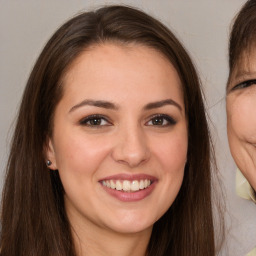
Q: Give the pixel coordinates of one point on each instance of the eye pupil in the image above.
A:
(157, 121)
(95, 121)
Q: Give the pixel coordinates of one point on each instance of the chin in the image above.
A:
(131, 225)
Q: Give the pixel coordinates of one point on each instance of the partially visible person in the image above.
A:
(241, 100)
(111, 152)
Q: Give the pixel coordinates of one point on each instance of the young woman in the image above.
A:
(111, 152)
(241, 100)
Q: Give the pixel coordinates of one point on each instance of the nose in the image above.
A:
(131, 147)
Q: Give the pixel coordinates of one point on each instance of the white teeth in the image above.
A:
(127, 185)
(119, 185)
(135, 185)
(112, 184)
(108, 183)
(142, 184)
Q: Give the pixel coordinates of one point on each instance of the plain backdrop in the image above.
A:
(202, 25)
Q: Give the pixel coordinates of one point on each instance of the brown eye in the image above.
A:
(95, 120)
(158, 121)
(161, 120)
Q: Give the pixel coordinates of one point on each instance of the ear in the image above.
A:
(50, 154)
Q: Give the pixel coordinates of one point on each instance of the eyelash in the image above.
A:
(85, 121)
(244, 84)
(162, 118)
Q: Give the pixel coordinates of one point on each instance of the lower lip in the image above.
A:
(130, 196)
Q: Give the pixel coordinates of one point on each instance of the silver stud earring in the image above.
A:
(48, 162)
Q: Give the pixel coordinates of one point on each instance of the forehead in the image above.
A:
(136, 60)
(122, 75)
(98, 50)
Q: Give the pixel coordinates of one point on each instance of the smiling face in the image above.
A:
(241, 117)
(119, 138)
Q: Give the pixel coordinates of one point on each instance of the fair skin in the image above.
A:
(241, 118)
(120, 145)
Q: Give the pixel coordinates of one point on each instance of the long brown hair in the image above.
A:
(34, 221)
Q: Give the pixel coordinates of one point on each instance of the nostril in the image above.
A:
(131, 157)
(131, 147)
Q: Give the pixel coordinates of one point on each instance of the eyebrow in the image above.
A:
(159, 104)
(110, 105)
(95, 103)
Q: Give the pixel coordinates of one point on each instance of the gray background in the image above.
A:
(202, 25)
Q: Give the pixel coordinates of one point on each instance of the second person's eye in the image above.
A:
(244, 84)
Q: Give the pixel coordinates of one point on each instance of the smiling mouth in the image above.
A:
(127, 185)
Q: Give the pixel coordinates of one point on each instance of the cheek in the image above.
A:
(241, 119)
(172, 152)
(172, 156)
(79, 154)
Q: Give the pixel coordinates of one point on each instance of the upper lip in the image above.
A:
(130, 177)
